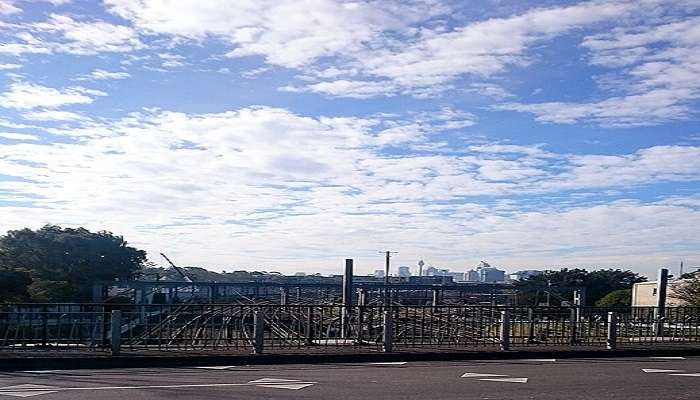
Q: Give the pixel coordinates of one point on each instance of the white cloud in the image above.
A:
(23, 95)
(434, 58)
(344, 88)
(235, 181)
(17, 136)
(288, 33)
(52, 115)
(659, 79)
(64, 34)
(8, 7)
(171, 60)
(100, 74)
(17, 49)
(4, 67)
(87, 38)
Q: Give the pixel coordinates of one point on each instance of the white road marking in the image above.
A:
(540, 359)
(35, 390)
(695, 374)
(292, 386)
(272, 380)
(513, 380)
(26, 390)
(27, 394)
(668, 358)
(46, 371)
(218, 367)
(390, 363)
(477, 375)
(652, 370)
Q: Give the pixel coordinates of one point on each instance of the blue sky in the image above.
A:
(289, 135)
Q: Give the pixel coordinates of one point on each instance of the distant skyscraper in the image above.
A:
(489, 274)
(379, 273)
(404, 272)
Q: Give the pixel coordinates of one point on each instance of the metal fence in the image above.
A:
(307, 328)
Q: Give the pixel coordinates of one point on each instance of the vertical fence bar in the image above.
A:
(116, 331)
(573, 316)
(388, 337)
(611, 342)
(505, 330)
(44, 327)
(530, 325)
(360, 324)
(310, 326)
(258, 332)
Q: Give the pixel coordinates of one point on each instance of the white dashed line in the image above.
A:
(513, 380)
(653, 371)
(668, 358)
(478, 375)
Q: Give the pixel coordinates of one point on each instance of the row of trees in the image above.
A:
(56, 264)
(605, 287)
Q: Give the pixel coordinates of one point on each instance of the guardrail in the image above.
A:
(118, 328)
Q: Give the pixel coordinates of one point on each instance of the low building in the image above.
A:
(524, 274)
(644, 294)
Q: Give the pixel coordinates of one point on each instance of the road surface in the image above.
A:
(610, 378)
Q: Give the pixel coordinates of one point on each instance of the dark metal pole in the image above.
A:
(387, 300)
(660, 311)
(347, 298)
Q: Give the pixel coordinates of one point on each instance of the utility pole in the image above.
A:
(387, 268)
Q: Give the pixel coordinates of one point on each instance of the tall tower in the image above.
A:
(420, 267)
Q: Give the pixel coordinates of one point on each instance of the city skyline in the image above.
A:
(294, 134)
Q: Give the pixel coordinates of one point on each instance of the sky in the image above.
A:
(289, 135)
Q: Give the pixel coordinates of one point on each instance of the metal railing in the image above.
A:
(304, 328)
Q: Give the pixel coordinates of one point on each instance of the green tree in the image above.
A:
(53, 291)
(616, 298)
(75, 258)
(14, 285)
(561, 284)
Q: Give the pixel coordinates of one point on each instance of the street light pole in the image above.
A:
(387, 268)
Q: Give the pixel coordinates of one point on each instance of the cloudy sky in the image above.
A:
(290, 134)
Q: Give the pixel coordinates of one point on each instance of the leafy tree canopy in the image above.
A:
(562, 284)
(616, 298)
(14, 285)
(66, 260)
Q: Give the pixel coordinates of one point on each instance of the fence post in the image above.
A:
(360, 323)
(611, 342)
(505, 330)
(44, 327)
(116, 331)
(310, 326)
(660, 310)
(388, 331)
(531, 325)
(573, 316)
(258, 332)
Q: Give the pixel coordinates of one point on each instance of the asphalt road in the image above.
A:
(621, 378)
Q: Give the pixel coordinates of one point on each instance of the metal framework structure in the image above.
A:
(315, 327)
(142, 292)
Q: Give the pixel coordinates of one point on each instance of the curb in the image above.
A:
(68, 363)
